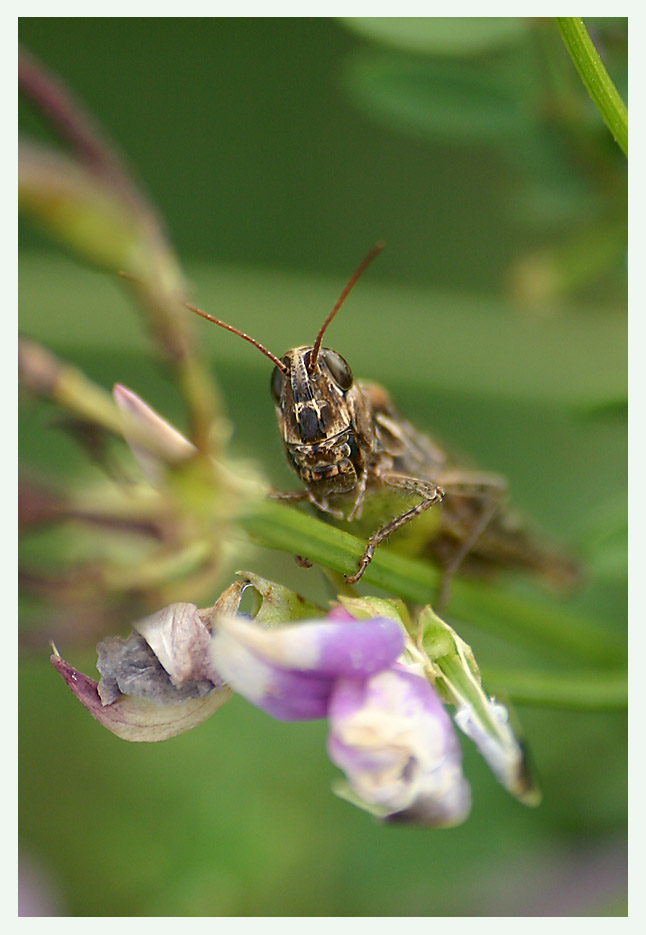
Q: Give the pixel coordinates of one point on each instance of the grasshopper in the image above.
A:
(360, 463)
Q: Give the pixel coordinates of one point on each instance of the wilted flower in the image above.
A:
(155, 684)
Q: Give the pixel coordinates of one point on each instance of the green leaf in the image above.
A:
(442, 35)
(442, 100)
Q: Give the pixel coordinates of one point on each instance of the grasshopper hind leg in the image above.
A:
(490, 491)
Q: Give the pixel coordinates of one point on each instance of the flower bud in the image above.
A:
(478, 715)
(154, 442)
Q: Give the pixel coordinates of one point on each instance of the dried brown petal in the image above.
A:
(181, 643)
(130, 667)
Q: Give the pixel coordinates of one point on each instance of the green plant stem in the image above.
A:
(127, 230)
(594, 76)
(592, 690)
(544, 627)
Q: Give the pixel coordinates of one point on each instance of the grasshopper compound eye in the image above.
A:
(337, 368)
(276, 384)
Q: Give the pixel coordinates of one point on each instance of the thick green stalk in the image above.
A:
(594, 76)
(547, 627)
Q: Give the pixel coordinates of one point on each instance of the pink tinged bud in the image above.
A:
(154, 442)
(395, 743)
(289, 671)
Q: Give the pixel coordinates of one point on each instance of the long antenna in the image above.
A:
(216, 321)
(367, 260)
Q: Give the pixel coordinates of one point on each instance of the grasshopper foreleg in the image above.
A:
(297, 496)
(429, 493)
(355, 512)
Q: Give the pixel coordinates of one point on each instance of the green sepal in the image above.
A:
(481, 717)
(366, 608)
(278, 604)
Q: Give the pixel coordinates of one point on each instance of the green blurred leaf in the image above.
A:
(495, 103)
(605, 540)
(443, 100)
(442, 35)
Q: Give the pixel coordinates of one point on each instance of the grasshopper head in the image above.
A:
(316, 398)
(312, 402)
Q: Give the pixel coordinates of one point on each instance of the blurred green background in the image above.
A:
(279, 151)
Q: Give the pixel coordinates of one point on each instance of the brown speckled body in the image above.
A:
(350, 447)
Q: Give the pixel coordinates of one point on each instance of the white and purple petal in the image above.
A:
(290, 671)
(394, 741)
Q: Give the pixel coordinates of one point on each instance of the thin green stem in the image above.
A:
(594, 76)
(161, 289)
(591, 690)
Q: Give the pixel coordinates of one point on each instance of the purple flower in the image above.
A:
(389, 732)
(395, 743)
(290, 671)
